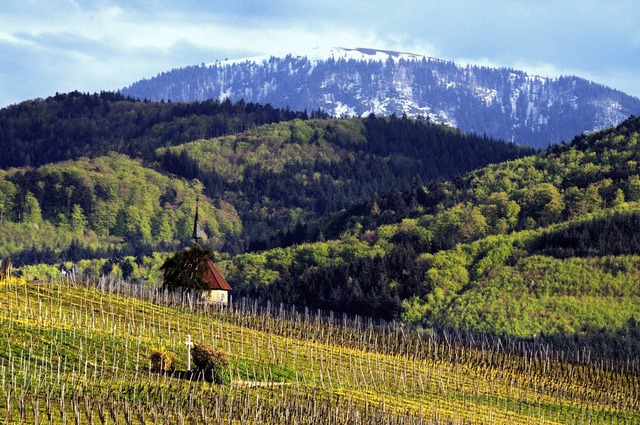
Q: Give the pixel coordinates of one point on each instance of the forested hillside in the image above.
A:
(542, 245)
(103, 207)
(384, 216)
(279, 176)
(254, 183)
(71, 125)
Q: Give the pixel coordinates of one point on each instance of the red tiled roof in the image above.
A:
(211, 275)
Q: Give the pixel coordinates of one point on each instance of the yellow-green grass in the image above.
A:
(79, 355)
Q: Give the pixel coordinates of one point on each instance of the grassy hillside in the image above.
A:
(75, 354)
(356, 215)
(541, 246)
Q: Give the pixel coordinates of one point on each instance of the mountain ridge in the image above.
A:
(501, 102)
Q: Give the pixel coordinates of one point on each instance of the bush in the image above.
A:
(161, 360)
(213, 364)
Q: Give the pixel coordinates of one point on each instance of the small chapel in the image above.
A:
(193, 269)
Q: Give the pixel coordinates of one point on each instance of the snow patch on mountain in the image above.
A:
(324, 53)
(502, 103)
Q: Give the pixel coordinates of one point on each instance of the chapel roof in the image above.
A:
(210, 274)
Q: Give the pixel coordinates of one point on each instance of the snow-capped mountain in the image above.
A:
(501, 103)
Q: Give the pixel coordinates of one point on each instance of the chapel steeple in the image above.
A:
(196, 226)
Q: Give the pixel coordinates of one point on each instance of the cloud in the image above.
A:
(61, 45)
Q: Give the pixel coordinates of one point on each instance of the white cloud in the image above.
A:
(92, 45)
(12, 39)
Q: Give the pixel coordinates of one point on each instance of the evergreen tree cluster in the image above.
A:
(71, 125)
(108, 206)
(259, 181)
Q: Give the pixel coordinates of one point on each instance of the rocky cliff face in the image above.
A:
(501, 103)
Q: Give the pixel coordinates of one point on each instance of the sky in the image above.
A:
(49, 46)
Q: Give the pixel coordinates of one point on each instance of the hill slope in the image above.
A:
(281, 175)
(108, 206)
(74, 354)
(71, 125)
(541, 245)
(503, 103)
(517, 248)
(260, 181)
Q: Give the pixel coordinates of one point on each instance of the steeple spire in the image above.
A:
(196, 225)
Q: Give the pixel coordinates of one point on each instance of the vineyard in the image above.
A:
(78, 353)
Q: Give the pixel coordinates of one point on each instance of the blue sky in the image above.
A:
(49, 46)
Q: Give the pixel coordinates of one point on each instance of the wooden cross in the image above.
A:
(189, 344)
